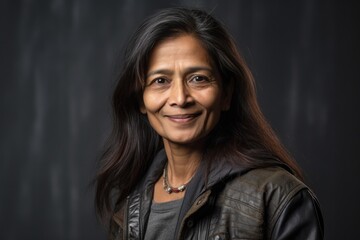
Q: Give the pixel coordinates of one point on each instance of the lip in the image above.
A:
(182, 118)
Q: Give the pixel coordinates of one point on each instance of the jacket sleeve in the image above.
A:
(300, 219)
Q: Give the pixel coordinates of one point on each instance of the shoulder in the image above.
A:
(269, 181)
(264, 190)
(266, 179)
(261, 203)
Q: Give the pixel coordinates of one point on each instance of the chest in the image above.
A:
(224, 217)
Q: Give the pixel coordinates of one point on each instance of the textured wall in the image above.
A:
(57, 65)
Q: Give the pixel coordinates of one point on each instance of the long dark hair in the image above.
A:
(242, 135)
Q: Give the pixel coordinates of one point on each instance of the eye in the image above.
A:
(158, 83)
(159, 80)
(199, 79)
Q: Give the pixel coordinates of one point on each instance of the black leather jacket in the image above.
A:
(236, 203)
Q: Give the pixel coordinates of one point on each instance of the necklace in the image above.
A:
(168, 188)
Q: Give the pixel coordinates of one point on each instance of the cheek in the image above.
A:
(211, 101)
(151, 102)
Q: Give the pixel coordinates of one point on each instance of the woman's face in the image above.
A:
(183, 96)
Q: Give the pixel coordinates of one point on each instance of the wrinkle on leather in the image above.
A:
(133, 217)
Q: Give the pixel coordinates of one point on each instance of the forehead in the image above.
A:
(182, 49)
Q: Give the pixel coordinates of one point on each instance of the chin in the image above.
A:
(184, 140)
(181, 141)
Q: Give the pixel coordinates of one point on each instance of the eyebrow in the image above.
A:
(187, 70)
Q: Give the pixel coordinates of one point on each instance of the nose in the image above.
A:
(179, 95)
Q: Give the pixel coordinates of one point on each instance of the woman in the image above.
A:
(191, 155)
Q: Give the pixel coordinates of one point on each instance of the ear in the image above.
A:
(228, 92)
(143, 109)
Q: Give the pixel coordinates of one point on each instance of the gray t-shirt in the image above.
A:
(162, 220)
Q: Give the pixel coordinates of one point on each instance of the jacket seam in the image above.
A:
(283, 205)
(246, 204)
(316, 204)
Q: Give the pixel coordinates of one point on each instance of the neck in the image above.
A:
(183, 162)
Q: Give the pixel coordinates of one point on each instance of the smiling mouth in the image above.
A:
(182, 118)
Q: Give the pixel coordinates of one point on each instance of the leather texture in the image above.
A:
(266, 203)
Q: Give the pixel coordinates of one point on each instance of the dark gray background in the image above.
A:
(58, 64)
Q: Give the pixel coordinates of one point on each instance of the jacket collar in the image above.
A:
(218, 172)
